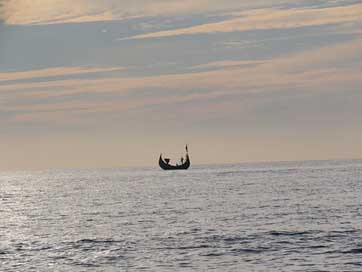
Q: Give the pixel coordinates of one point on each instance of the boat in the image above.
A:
(164, 163)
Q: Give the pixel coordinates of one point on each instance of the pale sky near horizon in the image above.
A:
(87, 83)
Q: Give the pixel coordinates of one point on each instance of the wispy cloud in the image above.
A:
(55, 71)
(228, 64)
(327, 57)
(317, 69)
(270, 19)
(24, 12)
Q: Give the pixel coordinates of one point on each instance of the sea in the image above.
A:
(280, 216)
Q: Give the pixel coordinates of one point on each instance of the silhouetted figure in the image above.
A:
(182, 160)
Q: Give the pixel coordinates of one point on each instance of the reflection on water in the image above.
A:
(250, 217)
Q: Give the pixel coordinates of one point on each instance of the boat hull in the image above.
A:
(166, 166)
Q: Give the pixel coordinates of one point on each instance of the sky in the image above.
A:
(99, 84)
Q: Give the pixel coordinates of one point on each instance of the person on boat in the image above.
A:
(182, 160)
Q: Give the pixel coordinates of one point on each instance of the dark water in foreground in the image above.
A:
(251, 217)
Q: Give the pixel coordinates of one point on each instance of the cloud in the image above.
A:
(328, 58)
(228, 64)
(327, 68)
(53, 72)
(24, 12)
(270, 19)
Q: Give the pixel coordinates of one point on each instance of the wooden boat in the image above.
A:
(165, 165)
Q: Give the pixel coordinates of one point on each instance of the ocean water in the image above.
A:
(294, 216)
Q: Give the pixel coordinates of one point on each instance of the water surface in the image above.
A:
(295, 216)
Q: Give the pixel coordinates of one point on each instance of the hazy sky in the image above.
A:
(112, 83)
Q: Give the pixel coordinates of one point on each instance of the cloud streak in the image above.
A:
(270, 19)
(53, 72)
(24, 12)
